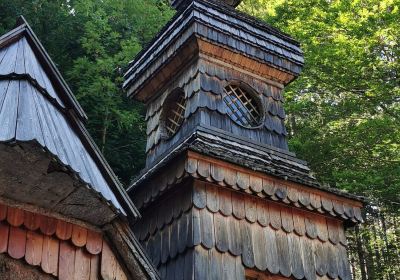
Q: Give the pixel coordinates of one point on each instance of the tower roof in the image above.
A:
(37, 106)
(210, 24)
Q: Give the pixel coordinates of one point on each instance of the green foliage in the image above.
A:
(344, 110)
(114, 32)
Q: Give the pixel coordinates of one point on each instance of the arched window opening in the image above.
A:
(174, 112)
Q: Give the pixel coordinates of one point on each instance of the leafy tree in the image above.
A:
(113, 33)
(344, 110)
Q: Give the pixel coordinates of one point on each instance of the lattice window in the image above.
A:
(243, 107)
(175, 113)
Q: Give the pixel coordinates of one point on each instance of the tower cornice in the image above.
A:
(218, 30)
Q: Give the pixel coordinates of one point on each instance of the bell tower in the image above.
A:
(221, 196)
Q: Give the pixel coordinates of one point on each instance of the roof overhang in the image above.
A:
(217, 31)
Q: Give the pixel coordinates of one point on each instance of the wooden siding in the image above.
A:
(65, 250)
(231, 229)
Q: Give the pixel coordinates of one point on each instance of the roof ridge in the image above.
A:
(23, 29)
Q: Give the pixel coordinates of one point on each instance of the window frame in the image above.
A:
(253, 94)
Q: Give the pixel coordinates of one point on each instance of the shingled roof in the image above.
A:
(37, 106)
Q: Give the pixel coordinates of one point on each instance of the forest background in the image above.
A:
(343, 111)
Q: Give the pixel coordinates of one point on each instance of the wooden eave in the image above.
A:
(252, 43)
(187, 161)
(328, 202)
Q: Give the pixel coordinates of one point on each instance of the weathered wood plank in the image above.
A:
(33, 250)
(50, 251)
(272, 250)
(225, 201)
(315, 200)
(201, 264)
(207, 229)
(188, 272)
(238, 207)
(283, 253)
(165, 244)
(3, 212)
(298, 222)
(31, 221)
(287, 219)
(333, 230)
(332, 261)
(311, 228)
(203, 168)
(157, 249)
(67, 261)
(94, 242)
(199, 195)
(195, 228)
(260, 248)
(295, 256)
(322, 230)
(308, 259)
(235, 238)
(321, 257)
(269, 187)
(217, 172)
(326, 204)
(263, 213)
(221, 233)
(230, 177)
(256, 184)
(16, 242)
(108, 266)
(183, 224)
(4, 232)
(48, 225)
(79, 235)
(250, 205)
(212, 198)
(173, 245)
(228, 267)
(275, 216)
(216, 264)
(247, 244)
(15, 216)
(95, 267)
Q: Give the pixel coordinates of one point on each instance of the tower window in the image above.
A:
(174, 112)
(243, 107)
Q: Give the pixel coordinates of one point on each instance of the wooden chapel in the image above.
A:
(63, 213)
(221, 196)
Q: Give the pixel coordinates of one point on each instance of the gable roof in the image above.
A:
(37, 105)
